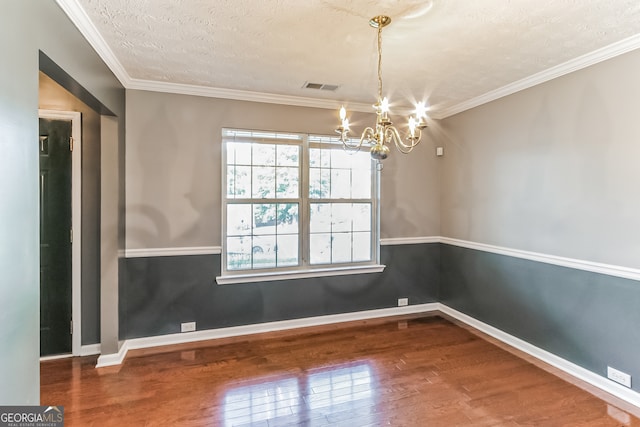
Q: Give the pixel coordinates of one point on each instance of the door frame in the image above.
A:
(76, 221)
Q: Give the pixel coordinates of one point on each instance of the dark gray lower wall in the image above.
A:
(160, 293)
(590, 319)
(586, 318)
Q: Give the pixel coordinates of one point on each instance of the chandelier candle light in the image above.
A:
(384, 132)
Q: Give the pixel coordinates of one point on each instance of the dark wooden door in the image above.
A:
(55, 237)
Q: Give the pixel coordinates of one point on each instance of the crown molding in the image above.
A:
(586, 60)
(83, 23)
(244, 95)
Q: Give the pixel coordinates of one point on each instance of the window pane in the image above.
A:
(287, 250)
(238, 153)
(264, 218)
(264, 251)
(238, 181)
(288, 155)
(264, 182)
(319, 182)
(238, 253)
(243, 154)
(361, 247)
(320, 220)
(361, 184)
(243, 181)
(231, 182)
(287, 218)
(361, 217)
(239, 220)
(341, 247)
(341, 159)
(341, 217)
(340, 183)
(287, 184)
(315, 189)
(320, 248)
(314, 157)
(325, 158)
(264, 154)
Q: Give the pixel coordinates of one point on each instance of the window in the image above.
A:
(296, 203)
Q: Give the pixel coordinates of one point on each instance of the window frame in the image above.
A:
(304, 269)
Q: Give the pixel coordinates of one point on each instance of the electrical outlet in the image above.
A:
(403, 302)
(619, 376)
(188, 327)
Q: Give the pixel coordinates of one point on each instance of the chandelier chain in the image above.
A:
(379, 63)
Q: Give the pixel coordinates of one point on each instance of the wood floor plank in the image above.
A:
(409, 371)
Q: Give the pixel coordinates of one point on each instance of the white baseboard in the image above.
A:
(235, 331)
(114, 358)
(90, 349)
(55, 357)
(85, 350)
(626, 394)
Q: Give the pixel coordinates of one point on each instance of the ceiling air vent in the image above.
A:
(320, 86)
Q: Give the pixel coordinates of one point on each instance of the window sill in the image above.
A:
(298, 274)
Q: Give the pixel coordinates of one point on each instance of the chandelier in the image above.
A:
(384, 133)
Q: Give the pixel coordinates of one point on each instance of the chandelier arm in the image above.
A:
(391, 134)
(368, 134)
(400, 145)
(406, 149)
(349, 146)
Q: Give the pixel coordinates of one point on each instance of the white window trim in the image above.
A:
(302, 272)
(299, 274)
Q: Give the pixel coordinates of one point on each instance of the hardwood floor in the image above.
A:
(424, 371)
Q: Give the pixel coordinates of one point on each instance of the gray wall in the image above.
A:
(54, 97)
(173, 178)
(27, 26)
(587, 318)
(163, 292)
(552, 169)
(173, 168)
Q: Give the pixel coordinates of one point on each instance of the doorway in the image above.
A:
(60, 239)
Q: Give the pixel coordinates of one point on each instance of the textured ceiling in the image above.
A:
(444, 51)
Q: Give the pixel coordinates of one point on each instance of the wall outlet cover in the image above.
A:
(188, 327)
(619, 376)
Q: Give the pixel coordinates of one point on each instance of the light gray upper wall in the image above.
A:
(173, 168)
(27, 26)
(552, 169)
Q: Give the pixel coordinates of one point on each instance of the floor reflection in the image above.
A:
(318, 395)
